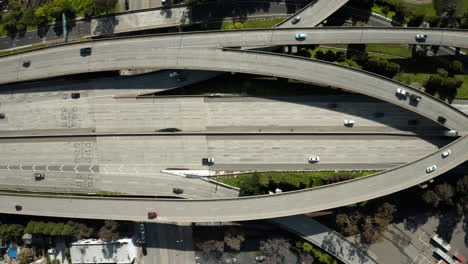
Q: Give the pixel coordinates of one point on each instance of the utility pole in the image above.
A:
(64, 26)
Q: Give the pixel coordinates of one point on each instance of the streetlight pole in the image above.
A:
(64, 26)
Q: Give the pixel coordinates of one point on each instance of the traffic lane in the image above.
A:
(247, 208)
(315, 13)
(158, 184)
(54, 181)
(69, 56)
(318, 72)
(273, 65)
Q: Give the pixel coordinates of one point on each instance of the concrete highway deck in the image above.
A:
(46, 113)
(68, 58)
(258, 207)
(314, 13)
(107, 58)
(259, 63)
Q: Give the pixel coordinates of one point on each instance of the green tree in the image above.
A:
(11, 19)
(11, 231)
(41, 16)
(319, 55)
(39, 228)
(68, 229)
(443, 84)
(329, 56)
(30, 227)
(16, 230)
(434, 21)
(303, 53)
(251, 185)
(28, 18)
(25, 256)
(441, 194)
(351, 64)
(402, 12)
(456, 67)
(357, 52)
(235, 25)
(382, 66)
(105, 5)
(416, 20)
(48, 228)
(340, 56)
(57, 230)
(385, 9)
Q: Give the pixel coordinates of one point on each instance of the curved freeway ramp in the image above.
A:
(291, 203)
(257, 63)
(67, 58)
(244, 208)
(314, 13)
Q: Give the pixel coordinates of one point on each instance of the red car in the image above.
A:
(332, 105)
(152, 215)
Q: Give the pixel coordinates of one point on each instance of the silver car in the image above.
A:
(431, 168)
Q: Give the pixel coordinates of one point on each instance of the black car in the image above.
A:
(75, 95)
(169, 129)
(178, 190)
(127, 5)
(18, 207)
(38, 176)
(85, 52)
(2, 116)
(26, 63)
(415, 98)
(441, 119)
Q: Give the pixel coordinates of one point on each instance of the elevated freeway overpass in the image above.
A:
(66, 59)
(107, 58)
(110, 56)
(244, 208)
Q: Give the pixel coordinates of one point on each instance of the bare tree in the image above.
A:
(108, 232)
(234, 238)
(275, 250)
(211, 246)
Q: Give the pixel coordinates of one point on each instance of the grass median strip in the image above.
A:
(263, 182)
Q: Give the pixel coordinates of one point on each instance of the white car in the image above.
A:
(431, 168)
(349, 122)
(314, 159)
(301, 36)
(446, 153)
(421, 37)
(402, 92)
